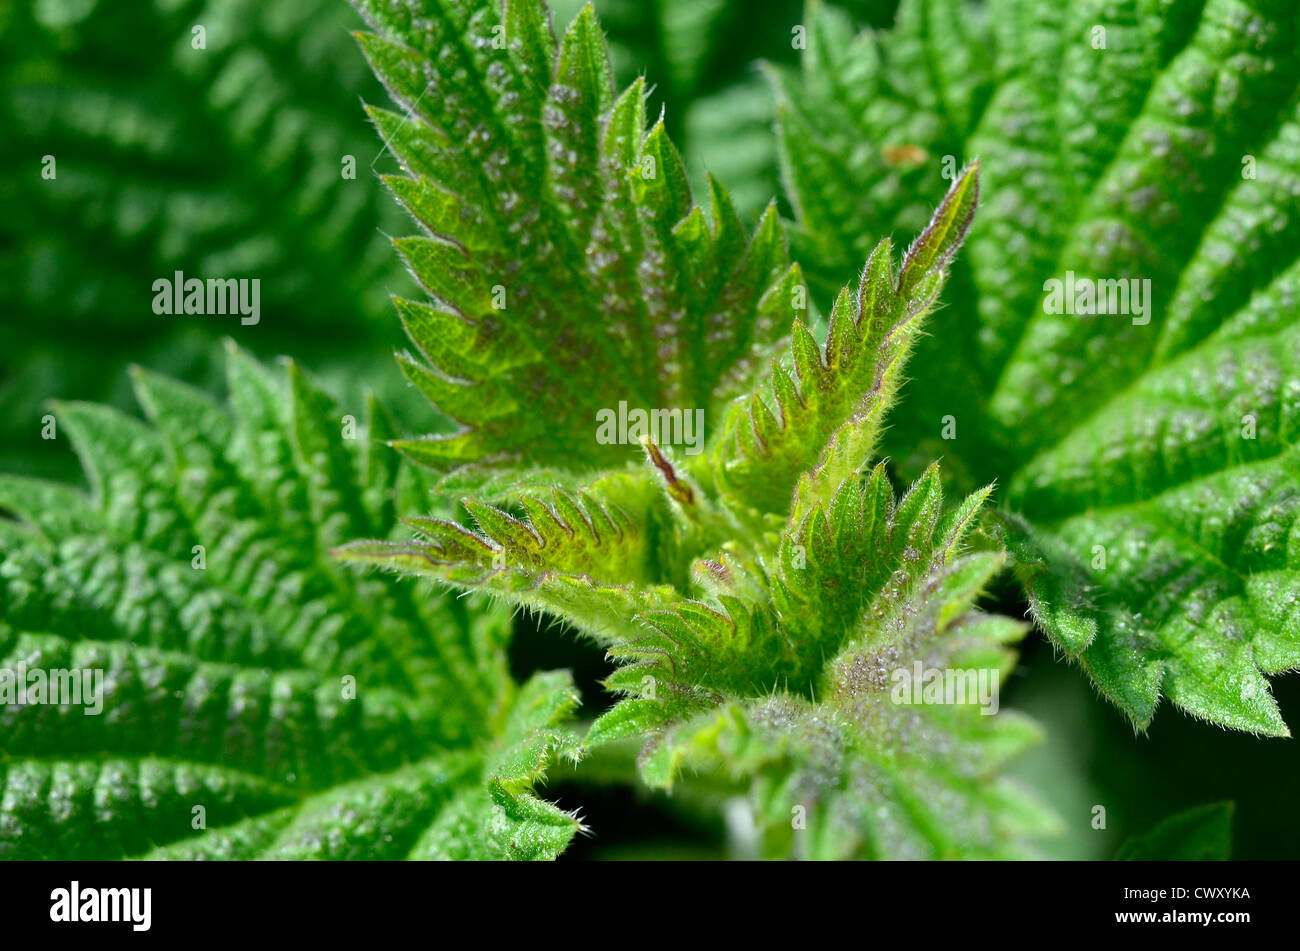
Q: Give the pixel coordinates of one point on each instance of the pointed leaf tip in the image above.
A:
(936, 245)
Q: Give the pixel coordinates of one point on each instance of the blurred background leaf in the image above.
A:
(223, 161)
(1203, 834)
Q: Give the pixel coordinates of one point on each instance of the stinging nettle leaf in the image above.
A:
(1146, 158)
(569, 271)
(245, 696)
(758, 596)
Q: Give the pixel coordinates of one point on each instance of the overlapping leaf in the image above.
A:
(602, 550)
(1148, 453)
(258, 699)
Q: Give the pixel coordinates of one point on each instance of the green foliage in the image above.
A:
(1148, 459)
(561, 239)
(702, 58)
(758, 593)
(1203, 834)
(763, 546)
(310, 712)
(225, 161)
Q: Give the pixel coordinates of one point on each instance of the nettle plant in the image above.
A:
(780, 597)
(758, 595)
